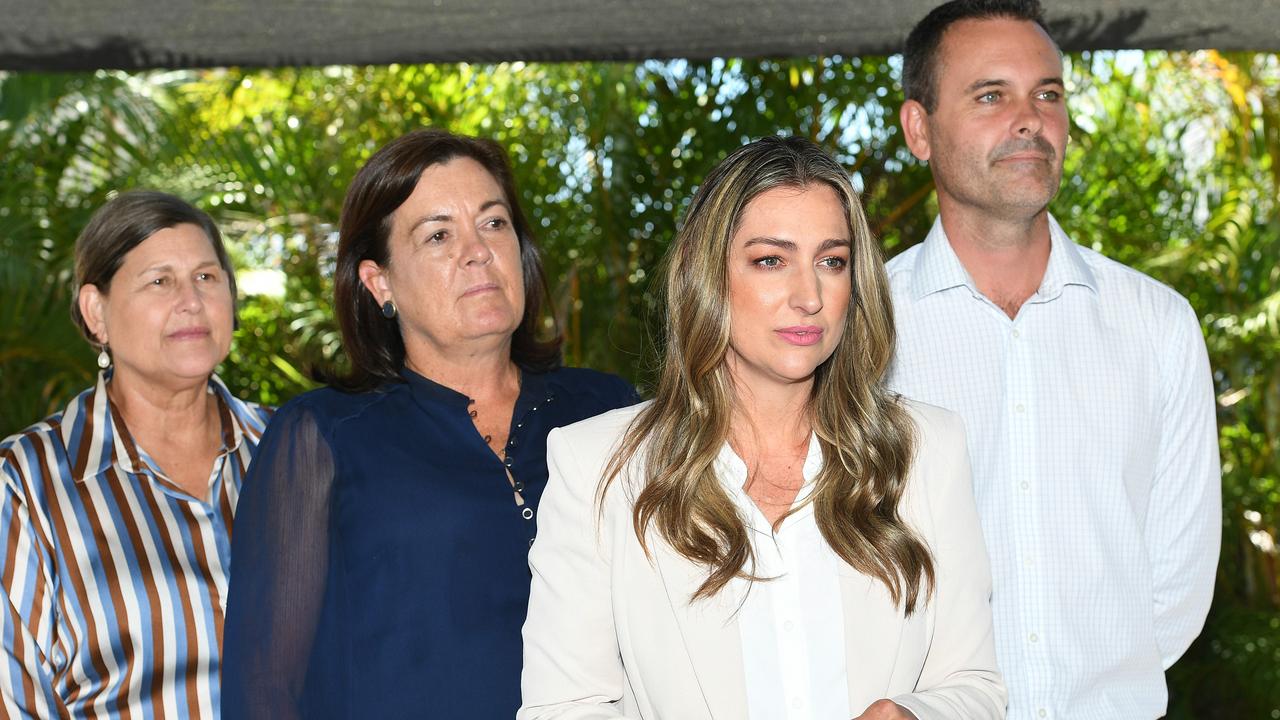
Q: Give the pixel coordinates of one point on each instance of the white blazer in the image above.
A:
(612, 633)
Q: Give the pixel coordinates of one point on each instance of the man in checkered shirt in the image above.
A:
(1084, 384)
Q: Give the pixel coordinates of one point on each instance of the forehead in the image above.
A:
(995, 49)
(180, 245)
(456, 180)
(814, 208)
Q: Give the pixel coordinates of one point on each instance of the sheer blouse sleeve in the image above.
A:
(279, 566)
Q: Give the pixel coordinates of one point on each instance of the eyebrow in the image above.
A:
(166, 267)
(446, 217)
(791, 246)
(992, 82)
(772, 242)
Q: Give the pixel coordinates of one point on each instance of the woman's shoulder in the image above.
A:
(590, 445)
(25, 456)
(327, 405)
(588, 385)
(933, 424)
(603, 429)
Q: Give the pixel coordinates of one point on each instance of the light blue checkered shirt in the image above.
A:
(1091, 428)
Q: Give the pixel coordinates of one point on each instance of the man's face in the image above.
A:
(996, 136)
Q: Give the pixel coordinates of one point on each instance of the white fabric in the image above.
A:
(792, 626)
(614, 631)
(1091, 429)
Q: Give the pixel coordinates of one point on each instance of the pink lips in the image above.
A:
(480, 289)
(191, 333)
(800, 334)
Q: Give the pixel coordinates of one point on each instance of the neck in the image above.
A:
(770, 420)
(480, 375)
(1005, 258)
(155, 412)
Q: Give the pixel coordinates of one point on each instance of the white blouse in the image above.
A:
(792, 626)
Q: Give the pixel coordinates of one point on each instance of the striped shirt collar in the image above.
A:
(102, 440)
(938, 268)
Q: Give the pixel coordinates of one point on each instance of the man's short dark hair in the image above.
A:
(920, 56)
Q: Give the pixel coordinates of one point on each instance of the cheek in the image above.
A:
(514, 271)
(744, 299)
(838, 291)
(222, 312)
(135, 321)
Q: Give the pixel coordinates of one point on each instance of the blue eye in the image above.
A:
(771, 261)
(835, 263)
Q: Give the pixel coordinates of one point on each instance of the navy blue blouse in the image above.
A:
(379, 563)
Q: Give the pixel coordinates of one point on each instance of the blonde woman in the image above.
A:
(775, 535)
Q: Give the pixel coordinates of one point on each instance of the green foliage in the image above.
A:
(1172, 168)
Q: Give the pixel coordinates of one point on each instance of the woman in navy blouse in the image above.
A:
(379, 558)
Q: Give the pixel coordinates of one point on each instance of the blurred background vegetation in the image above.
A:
(1173, 168)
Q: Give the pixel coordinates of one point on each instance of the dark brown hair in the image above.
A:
(372, 342)
(122, 224)
(920, 56)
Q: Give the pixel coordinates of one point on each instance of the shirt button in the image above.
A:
(1025, 485)
(797, 703)
(788, 626)
(518, 486)
(1043, 713)
(1019, 408)
(527, 513)
(1016, 334)
(1033, 637)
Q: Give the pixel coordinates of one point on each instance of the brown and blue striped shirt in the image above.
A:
(113, 582)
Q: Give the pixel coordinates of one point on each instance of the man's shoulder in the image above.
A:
(900, 269)
(1121, 284)
(903, 263)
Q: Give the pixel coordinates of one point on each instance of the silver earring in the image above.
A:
(104, 359)
(388, 309)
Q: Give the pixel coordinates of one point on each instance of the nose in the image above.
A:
(476, 250)
(189, 297)
(1027, 122)
(806, 292)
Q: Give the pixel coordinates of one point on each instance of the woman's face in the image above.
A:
(168, 314)
(454, 272)
(789, 285)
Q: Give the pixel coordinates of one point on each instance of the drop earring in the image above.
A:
(388, 309)
(104, 358)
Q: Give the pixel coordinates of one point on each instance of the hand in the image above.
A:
(886, 710)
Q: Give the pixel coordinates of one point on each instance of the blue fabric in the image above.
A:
(379, 563)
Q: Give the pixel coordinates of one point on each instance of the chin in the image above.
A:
(193, 368)
(792, 374)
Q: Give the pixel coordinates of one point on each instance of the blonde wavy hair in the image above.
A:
(866, 436)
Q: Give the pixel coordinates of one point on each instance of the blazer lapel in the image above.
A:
(710, 633)
(872, 629)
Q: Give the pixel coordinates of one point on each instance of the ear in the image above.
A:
(94, 311)
(374, 279)
(915, 128)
